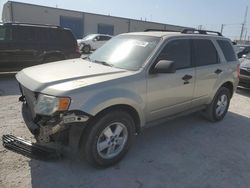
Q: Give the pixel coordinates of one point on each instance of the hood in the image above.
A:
(245, 63)
(66, 75)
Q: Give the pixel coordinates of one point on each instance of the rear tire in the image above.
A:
(86, 49)
(218, 108)
(108, 139)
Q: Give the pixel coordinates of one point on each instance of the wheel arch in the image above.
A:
(230, 86)
(125, 107)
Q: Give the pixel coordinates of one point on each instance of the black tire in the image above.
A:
(52, 59)
(210, 113)
(86, 49)
(91, 136)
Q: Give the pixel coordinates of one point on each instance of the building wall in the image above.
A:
(38, 14)
(138, 25)
(6, 13)
(91, 23)
(28, 13)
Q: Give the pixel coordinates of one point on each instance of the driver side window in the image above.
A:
(178, 51)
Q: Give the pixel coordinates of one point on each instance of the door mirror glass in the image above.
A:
(164, 66)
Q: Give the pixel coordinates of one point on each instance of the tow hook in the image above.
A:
(21, 99)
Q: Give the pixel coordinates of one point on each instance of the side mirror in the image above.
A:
(164, 66)
(244, 56)
(94, 40)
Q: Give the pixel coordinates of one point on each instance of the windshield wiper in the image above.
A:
(103, 63)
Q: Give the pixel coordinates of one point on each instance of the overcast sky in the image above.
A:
(208, 13)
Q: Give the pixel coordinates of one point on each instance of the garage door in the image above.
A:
(106, 29)
(75, 24)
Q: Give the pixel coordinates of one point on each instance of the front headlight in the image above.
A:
(47, 105)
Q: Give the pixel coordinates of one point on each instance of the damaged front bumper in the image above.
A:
(44, 127)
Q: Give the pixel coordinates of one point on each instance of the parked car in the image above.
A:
(241, 50)
(133, 81)
(23, 45)
(245, 71)
(92, 42)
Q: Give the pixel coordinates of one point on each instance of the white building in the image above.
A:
(81, 23)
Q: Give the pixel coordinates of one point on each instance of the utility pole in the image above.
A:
(243, 24)
(222, 27)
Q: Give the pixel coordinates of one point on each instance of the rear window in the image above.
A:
(67, 37)
(205, 52)
(227, 50)
(61, 37)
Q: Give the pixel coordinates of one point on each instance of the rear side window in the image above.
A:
(204, 52)
(2, 33)
(5, 33)
(227, 50)
(177, 51)
(104, 38)
(24, 34)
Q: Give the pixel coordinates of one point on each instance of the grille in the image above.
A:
(244, 72)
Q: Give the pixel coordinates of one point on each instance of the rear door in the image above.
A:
(169, 93)
(208, 69)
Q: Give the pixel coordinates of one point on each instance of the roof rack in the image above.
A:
(203, 32)
(163, 30)
(23, 23)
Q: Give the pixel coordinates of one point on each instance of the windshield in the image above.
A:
(89, 37)
(126, 51)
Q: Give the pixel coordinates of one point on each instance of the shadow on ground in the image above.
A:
(185, 152)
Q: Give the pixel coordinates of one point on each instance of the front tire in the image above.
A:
(218, 108)
(107, 140)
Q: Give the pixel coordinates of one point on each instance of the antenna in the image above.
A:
(243, 24)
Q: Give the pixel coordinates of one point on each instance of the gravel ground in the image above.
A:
(186, 152)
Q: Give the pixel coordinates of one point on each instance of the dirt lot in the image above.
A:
(186, 152)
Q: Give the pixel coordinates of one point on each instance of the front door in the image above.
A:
(171, 93)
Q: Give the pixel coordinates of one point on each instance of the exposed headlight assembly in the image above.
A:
(47, 105)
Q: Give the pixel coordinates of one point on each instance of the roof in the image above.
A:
(170, 34)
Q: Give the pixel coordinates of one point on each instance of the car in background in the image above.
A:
(92, 42)
(241, 50)
(245, 71)
(23, 45)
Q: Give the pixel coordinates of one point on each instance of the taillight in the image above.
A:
(238, 70)
(77, 49)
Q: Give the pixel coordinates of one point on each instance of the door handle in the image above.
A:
(187, 77)
(218, 71)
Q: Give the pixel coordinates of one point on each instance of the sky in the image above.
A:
(192, 13)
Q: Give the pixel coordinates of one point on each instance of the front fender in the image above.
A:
(105, 99)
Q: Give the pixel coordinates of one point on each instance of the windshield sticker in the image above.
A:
(140, 43)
